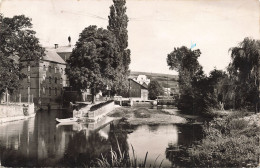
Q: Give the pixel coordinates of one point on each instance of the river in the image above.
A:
(41, 142)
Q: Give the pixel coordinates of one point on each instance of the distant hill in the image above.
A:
(166, 80)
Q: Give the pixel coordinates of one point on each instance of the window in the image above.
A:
(55, 70)
(43, 77)
(55, 80)
(55, 91)
(44, 67)
(28, 78)
(28, 68)
(49, 79)
(49, 90)
(61, 71)
(61, 81)
(43, 90)
(49, 68)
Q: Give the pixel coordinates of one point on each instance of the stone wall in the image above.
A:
(99, 113)
(13, 112)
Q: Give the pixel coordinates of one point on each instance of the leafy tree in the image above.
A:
(118, 26)
(198, 93)
(17, 40)
(9, 74)
(185, 61)
(244, 70)
(215, 83)
(94, 60)
(154, 90)
(207, 91)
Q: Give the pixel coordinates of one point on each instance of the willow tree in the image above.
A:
(117, 24)
(94, 60)
(244, 69)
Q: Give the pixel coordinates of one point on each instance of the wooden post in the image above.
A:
(28, 98)
(20, 98)
(7, 97)
(32, 98)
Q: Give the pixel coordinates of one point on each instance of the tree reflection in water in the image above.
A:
(177, 154)
(84, 149)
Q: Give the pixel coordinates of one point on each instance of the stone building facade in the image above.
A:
(45, 80)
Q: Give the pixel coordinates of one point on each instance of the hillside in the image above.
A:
(166, 80)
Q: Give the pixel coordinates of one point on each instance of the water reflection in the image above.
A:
(176, 153)
(40, 141)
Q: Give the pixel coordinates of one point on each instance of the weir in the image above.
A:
(87, 114)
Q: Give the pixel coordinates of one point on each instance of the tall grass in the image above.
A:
(122, 159)
(228, 142)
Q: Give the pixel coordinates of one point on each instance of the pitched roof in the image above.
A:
(142, 86)
(61, 49)
(51, 55)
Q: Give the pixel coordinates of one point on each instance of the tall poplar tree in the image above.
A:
(118, 21)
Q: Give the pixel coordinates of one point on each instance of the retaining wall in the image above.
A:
(99, 113)
(12, 112)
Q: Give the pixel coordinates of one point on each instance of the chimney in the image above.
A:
(69, 39)
(56, 46)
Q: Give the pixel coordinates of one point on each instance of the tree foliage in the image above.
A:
(17, 40)
(244, 73)
(154, 90)
(94, 60)
(198, 93)
(185, 62)
(118, 21)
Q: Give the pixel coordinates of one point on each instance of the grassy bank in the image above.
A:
(231, 141)
(140, 116)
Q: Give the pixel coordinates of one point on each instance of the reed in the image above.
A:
(122, 159)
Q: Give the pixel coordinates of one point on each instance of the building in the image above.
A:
(137, 91)
(167, 91)
(46, 78)
(142, 79)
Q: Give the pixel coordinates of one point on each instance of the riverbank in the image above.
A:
(230, 141)
(141, 116)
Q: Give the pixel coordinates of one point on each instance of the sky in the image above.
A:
(155, 27)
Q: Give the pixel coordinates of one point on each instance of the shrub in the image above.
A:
(225, 152)
(228, 142)
(142, 113)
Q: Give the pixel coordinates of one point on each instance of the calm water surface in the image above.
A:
(41, 142)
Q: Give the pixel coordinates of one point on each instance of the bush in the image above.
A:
(228, 142)
(142, 113)
(225, 152)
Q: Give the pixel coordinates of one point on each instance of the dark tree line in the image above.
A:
(197, 91)
(238, 88)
